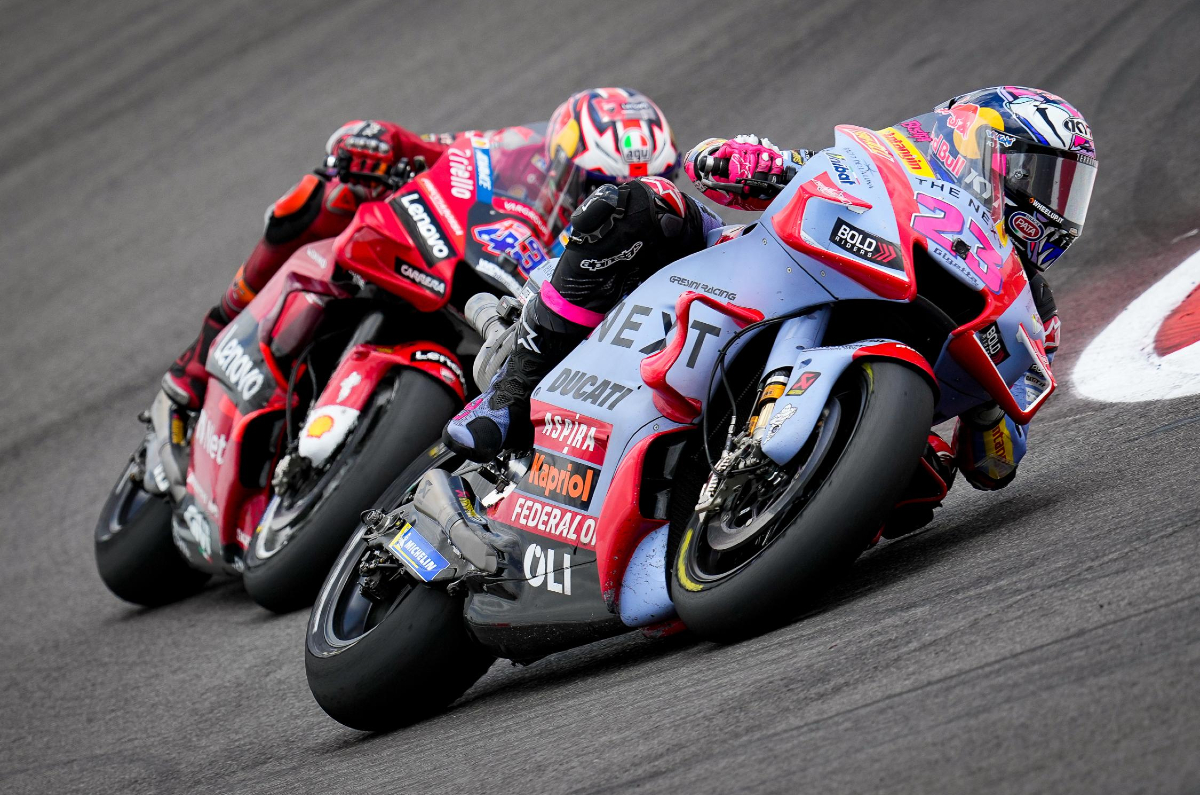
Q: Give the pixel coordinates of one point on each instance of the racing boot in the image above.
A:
(499, 418)
(186, 379)
(988, 445)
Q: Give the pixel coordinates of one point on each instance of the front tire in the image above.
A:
(135, 554)
(736, 587)
(376, 665)
(289, 557)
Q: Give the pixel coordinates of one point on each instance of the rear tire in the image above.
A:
(377, 666)
(409, 421)
(797, 562)
(135, 554)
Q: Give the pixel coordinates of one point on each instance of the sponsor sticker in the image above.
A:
(541, 569)
(806, 379)
(1025, 226)
(910, 156)
(546, 519)
(560, 479)
(871, 144)
(417, 554)
(569, 433)
(423, 227)
(993, 343)
(863, 244)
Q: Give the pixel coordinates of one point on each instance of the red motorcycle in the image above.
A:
(339, 373)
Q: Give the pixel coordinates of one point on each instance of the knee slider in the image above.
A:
(289, 217)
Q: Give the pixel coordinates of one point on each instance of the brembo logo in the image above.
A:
(429, 232)
(561, 480)
(239, 369)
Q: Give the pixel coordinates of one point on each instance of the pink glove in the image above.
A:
(751, 158)
(716, 166)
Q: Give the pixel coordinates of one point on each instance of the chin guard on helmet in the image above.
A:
(614, 135)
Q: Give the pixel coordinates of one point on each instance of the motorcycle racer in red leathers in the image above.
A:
(625, 232)
(611, 133)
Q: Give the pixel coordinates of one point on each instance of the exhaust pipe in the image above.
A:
(447, 501)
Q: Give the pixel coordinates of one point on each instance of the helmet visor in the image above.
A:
(1061, 181)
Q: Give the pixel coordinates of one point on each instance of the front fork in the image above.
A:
(742, 449)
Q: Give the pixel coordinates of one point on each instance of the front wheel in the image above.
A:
(135, 554)
(384, 653)
(302, 532)
(780, 538)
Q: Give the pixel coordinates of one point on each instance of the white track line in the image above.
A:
(1120, 365)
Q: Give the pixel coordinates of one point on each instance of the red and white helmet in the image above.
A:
(614, 134)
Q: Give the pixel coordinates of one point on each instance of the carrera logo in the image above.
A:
(239, 370)
(420, 223)
(546, 519)
(863, 244)
(561, 480)
(420, 278)
(570, 433)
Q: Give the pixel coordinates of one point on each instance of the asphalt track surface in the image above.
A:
(1045, 638)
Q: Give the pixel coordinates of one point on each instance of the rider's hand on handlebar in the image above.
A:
(751, 158)
(364, 160)
(744, 166)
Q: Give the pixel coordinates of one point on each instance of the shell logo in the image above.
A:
(320, 425)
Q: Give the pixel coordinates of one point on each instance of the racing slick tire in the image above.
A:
(135, 554)
(295, 545)
(380, 665)
(813, 530)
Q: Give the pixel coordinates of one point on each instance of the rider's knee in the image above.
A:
(988, 446)
(295, 211)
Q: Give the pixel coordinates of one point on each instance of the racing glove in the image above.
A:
(744, 173)
(360, 153)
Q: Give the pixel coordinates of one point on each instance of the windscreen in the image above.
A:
(521, 171)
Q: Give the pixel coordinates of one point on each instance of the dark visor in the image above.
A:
(1062, 181)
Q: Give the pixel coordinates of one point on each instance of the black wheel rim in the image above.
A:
(746, 527)
(284, 514)
(343, 615)
(127, 501)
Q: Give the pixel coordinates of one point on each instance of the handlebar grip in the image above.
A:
(717, 166)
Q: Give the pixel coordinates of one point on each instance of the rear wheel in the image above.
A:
(383, 653)
(135, 554)
(782, 535)
(303, 531)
